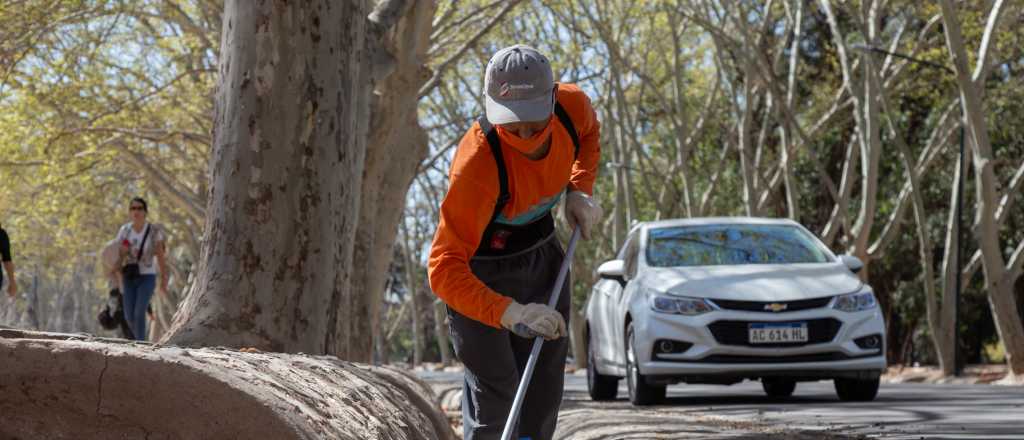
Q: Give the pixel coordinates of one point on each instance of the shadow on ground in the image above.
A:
(677, 418)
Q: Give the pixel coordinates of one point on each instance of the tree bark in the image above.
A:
(866, 116)
(940, 320)
(792, 192)
(291, 118)
(128, 390)
(620, 225)
(838, 218)
(745, 113)
(997, 276)
(945, 334)
(396, 146)
(417, 327)
(413, 289)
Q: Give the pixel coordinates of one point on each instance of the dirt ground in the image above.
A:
(972, 374)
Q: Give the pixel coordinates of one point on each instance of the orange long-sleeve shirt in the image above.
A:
(533, 186)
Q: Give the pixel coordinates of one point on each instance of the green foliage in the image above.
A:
(651, 69)
(102, 100)
(994, 352)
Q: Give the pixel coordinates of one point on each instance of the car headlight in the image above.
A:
(679, 305)
(855, 302)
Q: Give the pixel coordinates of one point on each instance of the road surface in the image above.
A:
(742, 411)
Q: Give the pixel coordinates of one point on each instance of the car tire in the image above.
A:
(599, 386)
(778, 387)
(856, 390)
(640, 392)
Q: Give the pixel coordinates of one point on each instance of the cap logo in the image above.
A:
(506, 88)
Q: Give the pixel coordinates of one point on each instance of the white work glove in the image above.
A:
(582, 210)
(532, 320)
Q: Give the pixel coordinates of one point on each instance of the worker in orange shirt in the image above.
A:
(495, 256)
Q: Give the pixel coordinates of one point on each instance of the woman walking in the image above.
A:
(141, 243)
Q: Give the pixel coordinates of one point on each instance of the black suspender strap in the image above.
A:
(563, 117)
(142, 245)
(495, 143)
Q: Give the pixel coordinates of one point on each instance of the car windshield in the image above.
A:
(732, 244)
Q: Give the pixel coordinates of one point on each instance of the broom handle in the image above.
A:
(517, 403)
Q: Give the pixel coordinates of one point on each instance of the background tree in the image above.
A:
(756, 108)
(285, 184)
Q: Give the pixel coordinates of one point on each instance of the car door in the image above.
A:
(618, 303)
(600, 316)
(594, 315)
(597, 319)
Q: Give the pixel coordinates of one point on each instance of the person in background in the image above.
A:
(5, 256)
(141, 243)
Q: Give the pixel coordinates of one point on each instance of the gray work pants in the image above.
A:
(495, 358)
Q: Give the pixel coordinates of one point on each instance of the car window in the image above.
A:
(732, 244)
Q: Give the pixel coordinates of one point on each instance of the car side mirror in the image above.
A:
(851, 262)
(612, 270)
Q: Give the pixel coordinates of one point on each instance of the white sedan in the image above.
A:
(720, 300)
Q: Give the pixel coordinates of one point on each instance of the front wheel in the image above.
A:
(857, 390)
(640, 393)
(600, 386)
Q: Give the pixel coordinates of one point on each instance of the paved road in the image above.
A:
(901, 411)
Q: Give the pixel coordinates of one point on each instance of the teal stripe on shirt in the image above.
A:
(529, 216)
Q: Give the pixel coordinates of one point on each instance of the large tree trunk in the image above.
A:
(290, 126)
(944, 346)
(397, 144)
(945, 334)
(997, 277)
(70, 387)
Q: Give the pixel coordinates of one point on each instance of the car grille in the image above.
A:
(743, 359)
(737, 332)
(761, 306)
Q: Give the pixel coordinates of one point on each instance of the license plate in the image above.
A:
(778, 333)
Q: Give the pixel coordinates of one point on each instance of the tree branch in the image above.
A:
(943, 130)
(1013, 189)
(984, 66)
(387, 13)
(165, 185)
(440, 70)
(1016, 264)
(13, 164)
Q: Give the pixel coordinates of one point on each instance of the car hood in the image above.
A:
(760, 282)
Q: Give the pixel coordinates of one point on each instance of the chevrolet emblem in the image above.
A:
(776, 307)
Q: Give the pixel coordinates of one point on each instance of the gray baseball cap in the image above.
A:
(518, 86)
